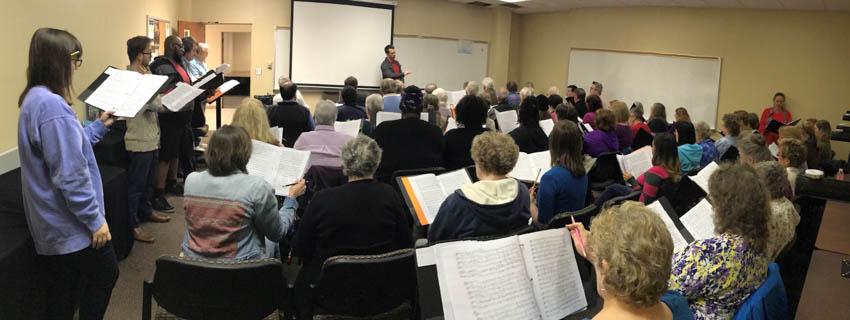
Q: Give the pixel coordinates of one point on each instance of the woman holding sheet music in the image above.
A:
(564, 187)
(631, 270)
(62, 190)
(717, 275)
(777, 112)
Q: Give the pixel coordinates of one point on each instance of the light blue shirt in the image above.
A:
(724, 143)
(62, 189)
(197, 68)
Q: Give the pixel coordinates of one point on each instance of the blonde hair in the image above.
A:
(251, 116)
(791, 132)
(635, 243)
(621, 111)
(494, 152)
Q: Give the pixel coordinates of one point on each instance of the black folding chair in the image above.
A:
(633, 196)
(562, 219)
(605, 171)
(731, 155)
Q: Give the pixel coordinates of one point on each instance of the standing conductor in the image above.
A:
(391, 68)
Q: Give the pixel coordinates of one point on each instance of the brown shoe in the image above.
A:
(156, 217)
(140, 235)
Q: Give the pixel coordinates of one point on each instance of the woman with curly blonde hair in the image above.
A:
(496, 204)
(631, 250)
(718, 274)
(251, 116)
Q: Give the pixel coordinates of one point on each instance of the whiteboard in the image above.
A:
(675, 81)
(281, 54)
(448, 63)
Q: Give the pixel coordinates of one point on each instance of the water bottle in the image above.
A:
(840, 175)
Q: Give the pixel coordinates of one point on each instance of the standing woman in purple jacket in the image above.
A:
(62, 190)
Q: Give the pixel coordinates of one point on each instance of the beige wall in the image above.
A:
(803, 54)
(238, 52)
(103, 27)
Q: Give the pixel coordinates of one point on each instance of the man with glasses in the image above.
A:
(198, 65)
(142, 143)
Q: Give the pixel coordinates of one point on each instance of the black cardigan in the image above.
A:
(409, 143)
(458, 144)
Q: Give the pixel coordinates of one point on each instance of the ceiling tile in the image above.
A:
(532, 6)
(762, 4)
(803, 4)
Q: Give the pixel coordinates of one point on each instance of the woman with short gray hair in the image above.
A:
(362, 216)
(783, 220)
(324, 143)
(374, 104)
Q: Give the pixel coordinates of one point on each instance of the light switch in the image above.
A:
(259, 71)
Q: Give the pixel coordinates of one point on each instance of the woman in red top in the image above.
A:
(776, 112)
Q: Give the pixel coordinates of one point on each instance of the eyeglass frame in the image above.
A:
(77, 62)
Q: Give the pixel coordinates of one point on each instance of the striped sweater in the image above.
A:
(650, 182)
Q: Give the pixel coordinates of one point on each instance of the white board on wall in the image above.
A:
(674, 80)
(281, 54)
(448, 63)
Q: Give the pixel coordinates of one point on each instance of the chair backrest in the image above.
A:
(633, 196)
(196, 289)
(642, 139)
(414, 172)
(320, 178)
(769, 301)
(365, 285)
(730, 155)
(470, 170)
(605, 168)
(562, 219)
(686, 195)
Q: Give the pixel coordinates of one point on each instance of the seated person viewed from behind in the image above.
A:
(251, 116)
(350, 110)
(823, 131)
(657, 126)
(361, 217)
(731, 130)
(554, 101)
(392, 97)
(593, 104)
(690, 153)
(752, 150)
(471, 114)
(792, 156)
(443, 96)
(813, 154)
(566, 112)
(431, 105)
(603, 139)
(228, 212)
(564, 187)
(718, 274)
(664, 170)
(658, 111)
(291, 116)
(374, 104)
(709, 151)
(496, 204)
(408, 143)
(622, 129)
(632, 271)
(324, 144)
(783, 219)
(636, 120)
(529, 136)
(298, 97)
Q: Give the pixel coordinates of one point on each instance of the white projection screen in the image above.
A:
(334, 39)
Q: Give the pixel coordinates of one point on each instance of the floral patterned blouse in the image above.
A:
(717, 275)
(781, 225)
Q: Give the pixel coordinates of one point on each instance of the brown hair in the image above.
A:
(682, 115)
(791, 132)
(50, 62)
(743, 119)
(825, 132)
(794, 150)
(621, 111)
(658, 111)
(634, 242)
(605, 120)
(732, 123)
(740, 203)
(494, 152)
(565, 145)
(228, 151)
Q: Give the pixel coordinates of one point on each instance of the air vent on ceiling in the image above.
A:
(510, 5)
(479, 3)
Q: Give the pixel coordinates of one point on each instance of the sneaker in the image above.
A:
(175, 189)
(161, 205)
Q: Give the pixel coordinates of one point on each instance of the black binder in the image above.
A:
(773, 125)
(103, 76)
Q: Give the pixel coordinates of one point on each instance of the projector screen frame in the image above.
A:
(390, 6)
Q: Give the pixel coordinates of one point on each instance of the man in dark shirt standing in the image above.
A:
(390, 67)
(291, 116)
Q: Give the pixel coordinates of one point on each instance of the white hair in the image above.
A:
(360, 157)
(487, 83)
(553, 90)
(374, 103)
(472, 88)
(325, 113)
(282, 80)
(526, 92)
(203, 46)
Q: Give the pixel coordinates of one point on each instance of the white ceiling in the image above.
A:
(530, 6)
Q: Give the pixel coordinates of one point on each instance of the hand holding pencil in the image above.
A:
(578, 232)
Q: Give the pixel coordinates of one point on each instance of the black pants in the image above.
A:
(95, 270)
(187, 151)
(141, 174)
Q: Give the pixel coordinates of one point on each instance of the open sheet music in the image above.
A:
(528, 165)
(532, 276)
(701, 179)
(277, 132)
(637, 162)
(451, 123)
(507, 120)
(774, 149)
(427, 192)
(699, 221)
(351, 128)
(386, 116)
(455, 96)
(680, 241)
(222, 89)
(126, 92)
(547, 126)
(180, 96)
(278, 166)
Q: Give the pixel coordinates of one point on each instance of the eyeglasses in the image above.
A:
(77, 62)
(147, 53)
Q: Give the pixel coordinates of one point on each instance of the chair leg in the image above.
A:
(147, 287)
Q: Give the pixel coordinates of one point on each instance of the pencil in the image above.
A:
(578, 236)
(533, 184)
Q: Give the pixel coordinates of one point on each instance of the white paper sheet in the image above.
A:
(701, 178)
(551, 265)
(507, 120)
(126, 92)
(547, 126)
(277, 132)
(351, 128)
(386, 116)
(699, 221)
(180, 97)
(679, 241)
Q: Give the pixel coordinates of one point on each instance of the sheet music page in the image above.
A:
(451, 181)
(451, 124)
(180, 96)
(146, 87)
(277, 132)
(774, 149)
(386, 116)
(113, 92)
(588, 163)
(699, 221)
(424, 116)
(425, 256)
(264, 161)
(547, 126)
(639, 161)
(427, 190)
(230, 84)
(701, 179)
(523, 168)
(455, 96)
(551, 265)
(291, 166)
(541, 160)
(679, 241)
(486, 280)
(507, 120)
(351, 128)
(202, 81)
(587, 127)
(222, 68)
(621, 161)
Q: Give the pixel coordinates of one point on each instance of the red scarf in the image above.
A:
(182, 73)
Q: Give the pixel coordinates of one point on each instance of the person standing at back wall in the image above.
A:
(390, 67)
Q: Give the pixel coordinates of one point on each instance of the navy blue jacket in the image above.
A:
(460, 217)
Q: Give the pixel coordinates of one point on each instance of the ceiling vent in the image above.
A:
(510, 5)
